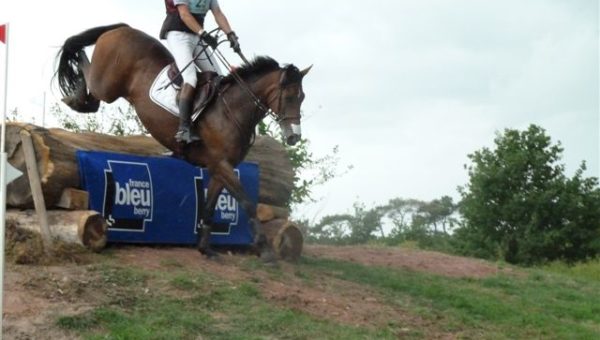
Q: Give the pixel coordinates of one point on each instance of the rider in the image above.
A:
(183, 28)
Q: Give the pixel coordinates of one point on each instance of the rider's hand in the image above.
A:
(209, 39)
(233, 41)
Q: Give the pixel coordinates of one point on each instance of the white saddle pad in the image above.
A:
(163, 93)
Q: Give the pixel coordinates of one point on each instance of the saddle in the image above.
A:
(206, 88)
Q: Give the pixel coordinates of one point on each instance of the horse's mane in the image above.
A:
(258, 67)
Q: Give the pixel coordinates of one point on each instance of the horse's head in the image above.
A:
(289, 100)
(275, 90)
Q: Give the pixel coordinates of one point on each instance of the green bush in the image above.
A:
(520, 206)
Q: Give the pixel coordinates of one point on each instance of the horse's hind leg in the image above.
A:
(81, 100)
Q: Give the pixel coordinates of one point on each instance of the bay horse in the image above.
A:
(125, 63)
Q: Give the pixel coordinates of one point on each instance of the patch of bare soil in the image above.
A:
(412, 259)
(35, 295)
(38, 286)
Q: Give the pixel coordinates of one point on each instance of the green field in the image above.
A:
(555, 302)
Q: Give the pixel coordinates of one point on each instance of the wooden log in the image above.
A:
(266, 212)
(86, 228)
(285, 237)
(56, 159)
(73, 199)
(57, 164)
(276, 171)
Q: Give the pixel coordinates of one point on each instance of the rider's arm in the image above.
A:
(221, 19)
(188, 19)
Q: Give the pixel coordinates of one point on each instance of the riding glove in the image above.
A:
(233, 41)
(209, 39)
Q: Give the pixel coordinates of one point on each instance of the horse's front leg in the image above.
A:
(214, 188)
(227, 176)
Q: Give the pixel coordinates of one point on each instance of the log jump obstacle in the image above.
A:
(75, 216)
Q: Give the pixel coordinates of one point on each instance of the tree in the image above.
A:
(438, 213)
(116, 121)
(356, 228)
(410, 220)
(309, 171)
(420, 221)
(401, 212)
(333, 229)
(520, 206)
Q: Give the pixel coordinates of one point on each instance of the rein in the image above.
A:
(264, 109)
(252, 137)
(257, 102)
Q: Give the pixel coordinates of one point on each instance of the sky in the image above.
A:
(405, 88)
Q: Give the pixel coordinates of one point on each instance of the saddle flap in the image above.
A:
(165, 92)
(208, 86)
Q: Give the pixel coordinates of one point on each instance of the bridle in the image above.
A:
(257, 102)
(282, 86)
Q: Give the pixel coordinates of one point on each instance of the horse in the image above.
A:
(125, 63)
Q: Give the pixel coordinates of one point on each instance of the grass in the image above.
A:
(552, 302)
(537, 304)
(585, 271)
(211, 308)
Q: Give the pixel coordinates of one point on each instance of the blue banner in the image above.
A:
(159, 200)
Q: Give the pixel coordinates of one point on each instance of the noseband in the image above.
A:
(277, 117)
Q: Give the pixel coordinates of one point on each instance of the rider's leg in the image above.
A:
(206, 60)
(182, 46)
(186, 133)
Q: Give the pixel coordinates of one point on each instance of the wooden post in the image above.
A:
(36, 189)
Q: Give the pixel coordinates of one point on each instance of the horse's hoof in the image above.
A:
(268, 257)
(209, 253)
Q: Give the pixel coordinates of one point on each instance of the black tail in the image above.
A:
(69, 74)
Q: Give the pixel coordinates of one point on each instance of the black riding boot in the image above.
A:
(186, 134)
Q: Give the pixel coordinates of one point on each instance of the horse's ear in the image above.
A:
(305, 71)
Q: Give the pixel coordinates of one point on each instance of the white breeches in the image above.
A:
(184, 46)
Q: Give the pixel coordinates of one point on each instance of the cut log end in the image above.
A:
(93, 232)
(285, 237)
(85, 228)
(74, 199)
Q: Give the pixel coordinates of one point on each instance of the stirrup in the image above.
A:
(186, 136)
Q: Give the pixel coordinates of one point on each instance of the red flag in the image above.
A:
(3, 33)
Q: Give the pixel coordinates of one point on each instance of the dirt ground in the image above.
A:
(413, 259)
(35, 294)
